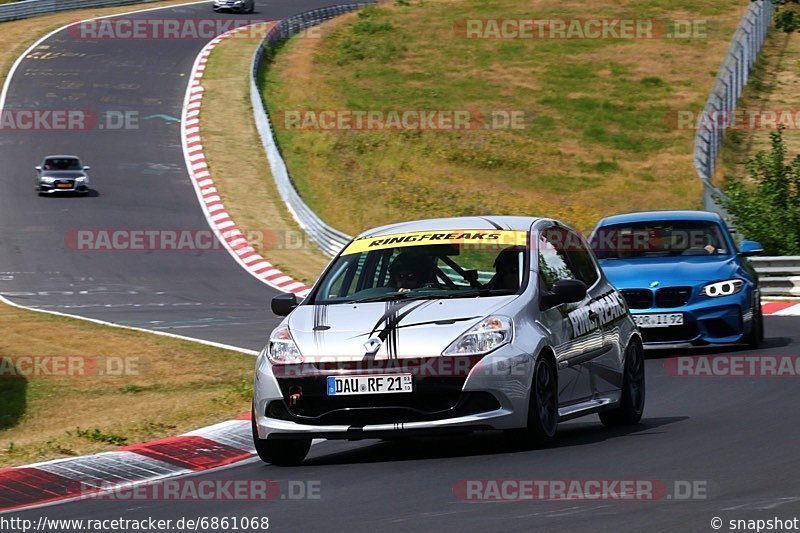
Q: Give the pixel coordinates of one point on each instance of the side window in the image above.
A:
(553, 262)
(580, 259)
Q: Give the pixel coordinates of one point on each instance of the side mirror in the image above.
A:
(749, 248)
(565, 291)
(87, 168)
(37, 167)
(283, 304)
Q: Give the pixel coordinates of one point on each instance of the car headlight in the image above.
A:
(723, 288)
(489, 334)
(47, 179)
(282, 349)
(82, 179)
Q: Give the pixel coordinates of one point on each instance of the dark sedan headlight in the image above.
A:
(723, 288)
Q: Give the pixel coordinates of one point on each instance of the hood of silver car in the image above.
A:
(400, 329)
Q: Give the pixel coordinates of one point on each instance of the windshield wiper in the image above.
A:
(432, 295)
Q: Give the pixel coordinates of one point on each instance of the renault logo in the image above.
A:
(373, 345)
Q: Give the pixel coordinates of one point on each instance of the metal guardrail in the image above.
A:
(330, 240)
(728, 86)
(33, 8)
(778, 276)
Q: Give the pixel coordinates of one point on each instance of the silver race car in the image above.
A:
(61, 174)
(448, 325)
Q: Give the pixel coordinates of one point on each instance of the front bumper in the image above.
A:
(46, 188)
(724, 320)
(485, 393)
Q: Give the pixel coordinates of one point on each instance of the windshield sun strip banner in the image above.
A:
(498, 238)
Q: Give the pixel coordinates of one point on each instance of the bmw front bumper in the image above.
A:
(722, 320)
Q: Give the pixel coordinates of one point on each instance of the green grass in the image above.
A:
(595, 140)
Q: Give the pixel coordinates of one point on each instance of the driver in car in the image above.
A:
(409, 271)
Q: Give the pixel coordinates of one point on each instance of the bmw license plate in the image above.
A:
(378, 384)
(664, 320)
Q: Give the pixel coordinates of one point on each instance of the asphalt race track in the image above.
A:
(140, 182)
(734, 437)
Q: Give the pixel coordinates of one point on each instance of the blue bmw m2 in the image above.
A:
(683, 277)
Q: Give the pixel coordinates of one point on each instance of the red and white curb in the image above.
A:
(781, 308)
(218, 218)
(85, 477)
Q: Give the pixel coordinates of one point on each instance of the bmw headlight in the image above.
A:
(282, 349)
(723, 288)
(489, 334)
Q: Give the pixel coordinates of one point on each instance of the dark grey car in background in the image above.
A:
(62, 174)
(240, 6)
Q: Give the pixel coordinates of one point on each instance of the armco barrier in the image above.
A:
(778, 276)
(33, 8)
(329, 239)
(728, 86)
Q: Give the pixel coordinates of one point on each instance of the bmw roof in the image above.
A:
(645, 216)
(456, 223)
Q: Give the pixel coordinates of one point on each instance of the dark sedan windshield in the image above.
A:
(62, 163)
(427, 265)
(659, 239)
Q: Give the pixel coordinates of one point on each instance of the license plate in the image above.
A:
(659, 321)
(378, 384)
(64, 186)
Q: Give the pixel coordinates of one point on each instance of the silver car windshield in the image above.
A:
(62, 163)
(427, 265)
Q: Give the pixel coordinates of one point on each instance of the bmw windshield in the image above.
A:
(427, 265)
(649, 239)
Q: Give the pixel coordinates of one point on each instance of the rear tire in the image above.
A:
(542, 408)
(290, 452)
(631, 405)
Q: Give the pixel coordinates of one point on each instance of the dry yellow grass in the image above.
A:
(561, 166)
(168, 386)
(239, 167)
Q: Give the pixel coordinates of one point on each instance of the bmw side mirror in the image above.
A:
(564, 291)
(283, 304)
(750, 248)
(87, 168)
(37, 167)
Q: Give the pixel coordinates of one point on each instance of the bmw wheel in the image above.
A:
(757, 330)
(631, 405)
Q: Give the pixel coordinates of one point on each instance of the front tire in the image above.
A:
(757, 330)
(542, 408)
(290, 452)
(631, 405)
